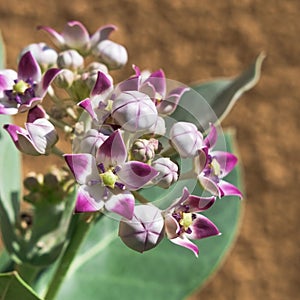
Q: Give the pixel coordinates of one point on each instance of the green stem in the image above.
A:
(82, 225)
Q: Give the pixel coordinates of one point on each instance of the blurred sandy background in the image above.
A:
(199, 40)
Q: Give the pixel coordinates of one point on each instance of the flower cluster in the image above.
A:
(118, 135)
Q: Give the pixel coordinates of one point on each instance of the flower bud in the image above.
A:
(43, 54)
(90, 142)
(145, 230)
(168, 172)
(144, 150)
(134, 111)
(64, 79)
(112, 54)
(70, 59)
(31, 182)
(186, 139)
(51, 181)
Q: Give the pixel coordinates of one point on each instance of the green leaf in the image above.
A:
(2, 53)
(10, 173)
(210, 102)
(13, 287)
(6, 264)
(107, 269)
(48, 233)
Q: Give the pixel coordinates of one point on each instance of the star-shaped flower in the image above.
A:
(107, 179)
(182, 221)
(21, 91)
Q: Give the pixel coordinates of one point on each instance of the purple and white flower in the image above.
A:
(107, 179)
(76, 36)
(182, 221)
(154, 85)
(21, 91)
(212, 166)
(39, 136)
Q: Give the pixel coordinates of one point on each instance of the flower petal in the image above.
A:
(135, 174)
(121, 204)
(42, 134)
(209, 185)
(211, 139)
(48, 77)
(228, 189)
(35, 113)
(85, 202)
(31, 103)
(83, 166)
(172, 227)
(28, 68)
(198, 204)
(103, 84)
(201, 160)
(86, 104)
(158, 80)
(202, 227)
(185, 242)
(113, 151)
(57, 38)
(75, 35)
(226, 160)
(21, 139)
(7, 78)
(168, 106)
(102, 34)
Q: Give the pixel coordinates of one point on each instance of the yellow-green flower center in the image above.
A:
(109, 178)
(186, 220)
(216, 167)
(20, 87)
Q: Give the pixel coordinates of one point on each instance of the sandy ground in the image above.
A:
(197, 40)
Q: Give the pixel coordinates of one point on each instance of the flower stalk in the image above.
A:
(82, 224)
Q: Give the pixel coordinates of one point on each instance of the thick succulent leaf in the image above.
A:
(13, 287)
(210, 102)
(6, 264)
(2, 53)
(10, 173)
(106, 268)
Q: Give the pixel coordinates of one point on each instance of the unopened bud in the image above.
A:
(186, 139)
(145, 230)
(51, 181)
(43, 54)
(168, 172)
(64, 79)
(144, 150)
(31, 183)
(70, 59)
(112, 54)
(134, 111)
